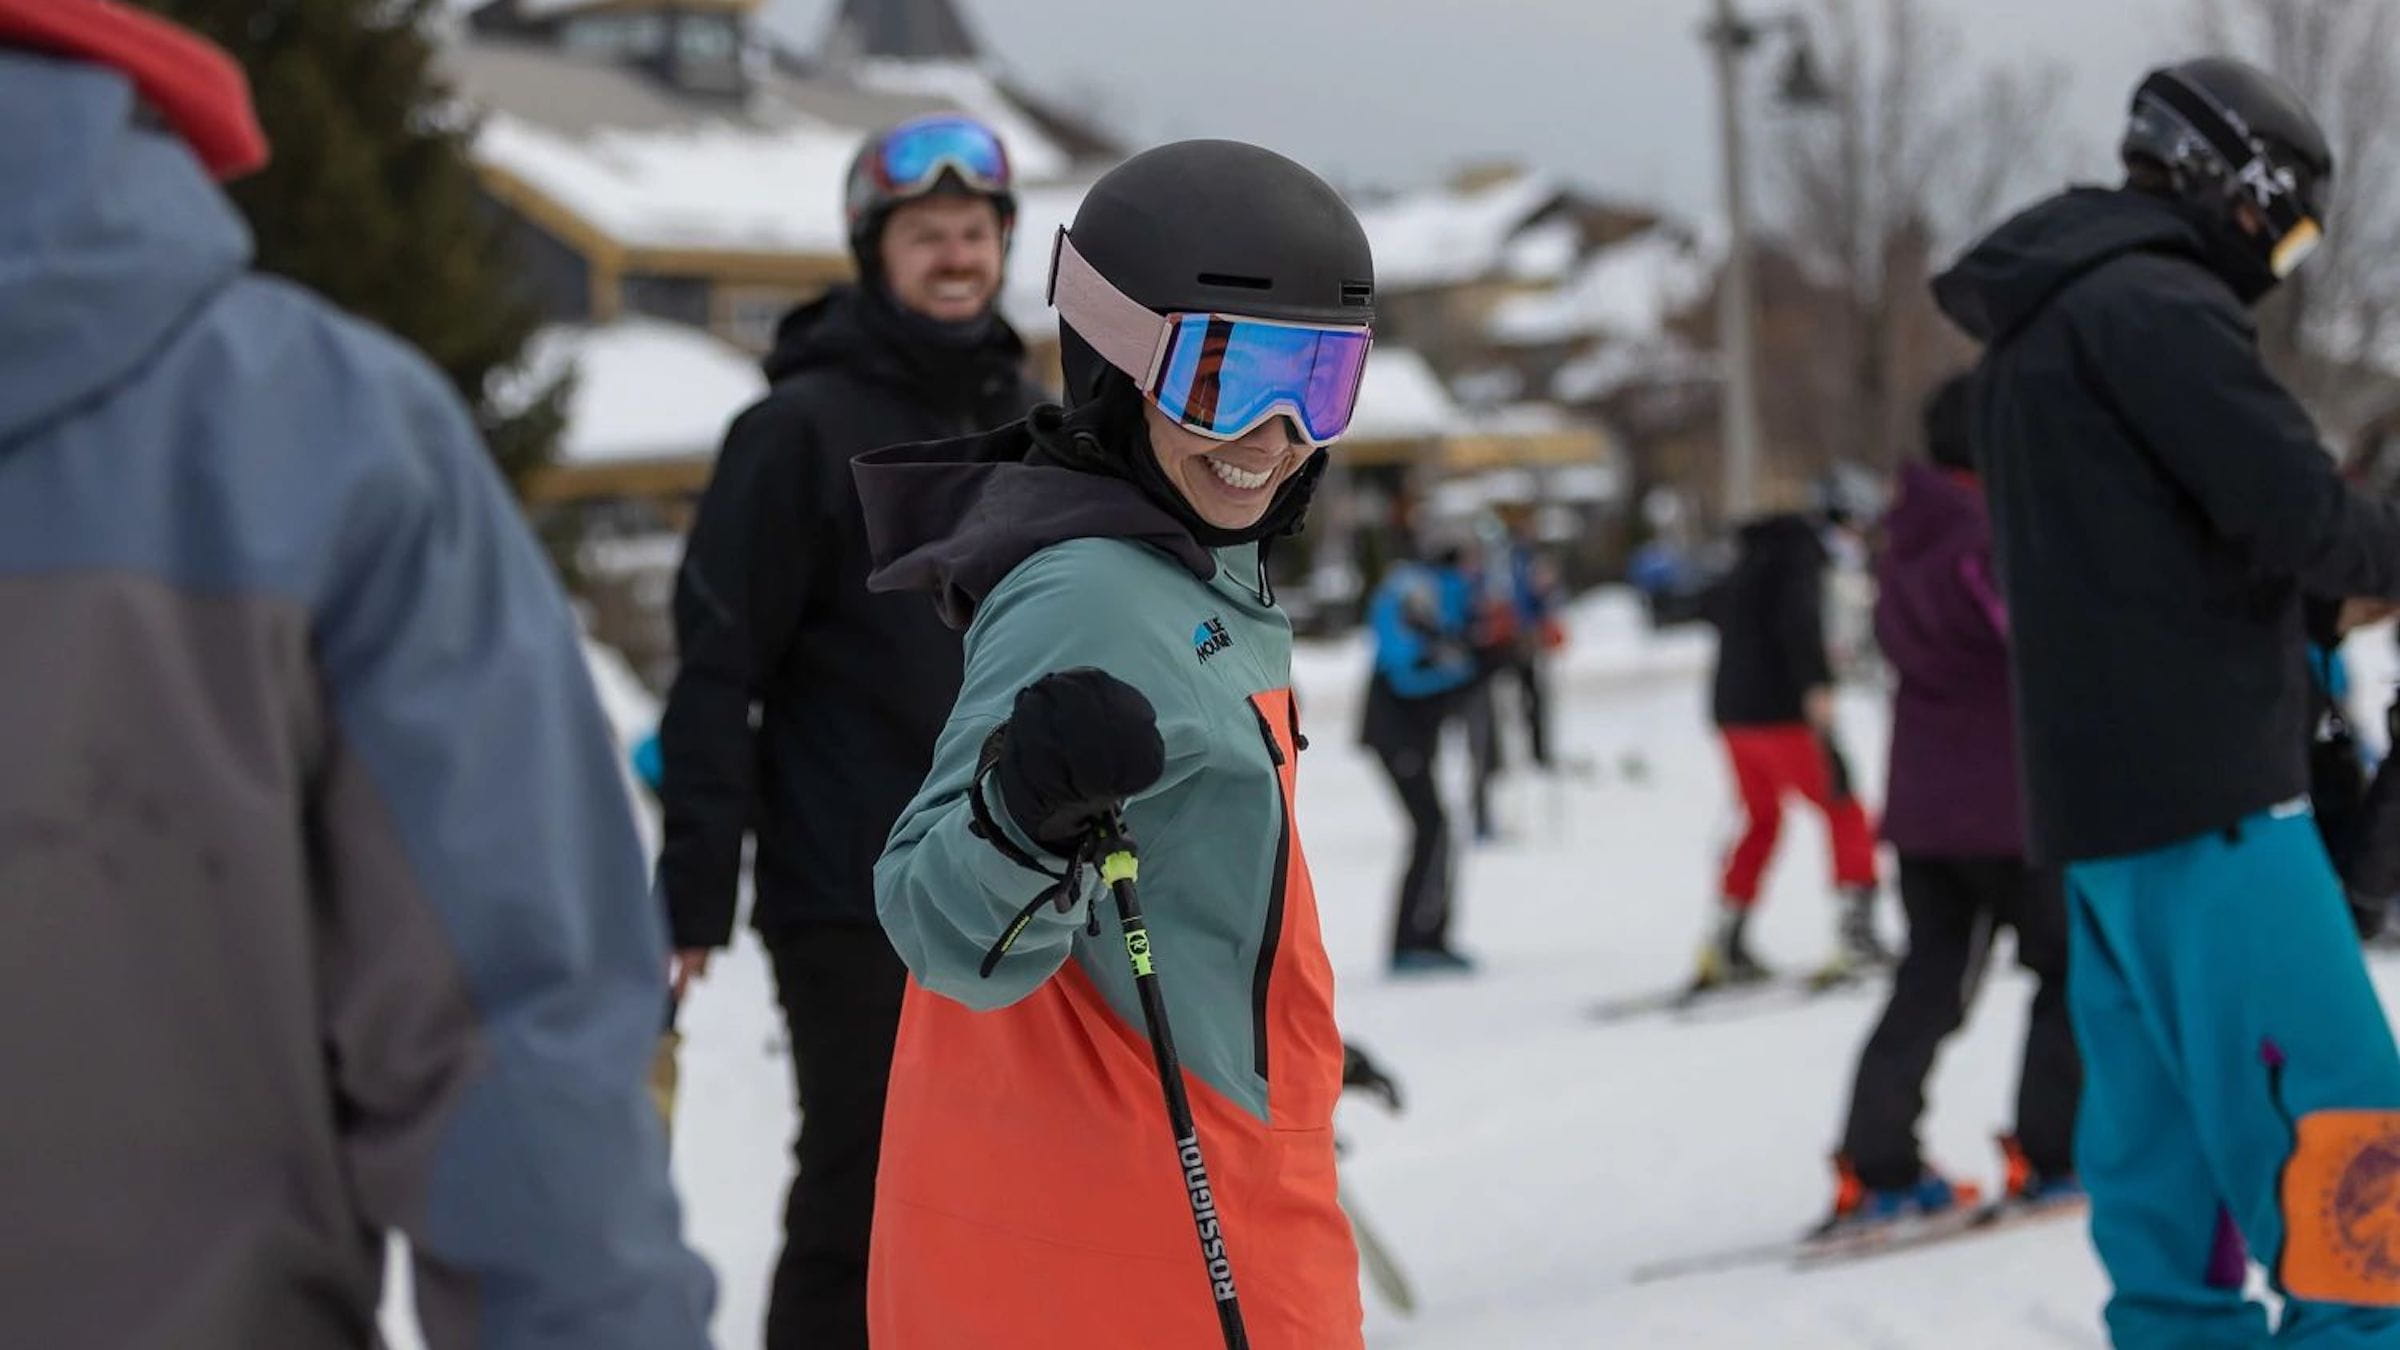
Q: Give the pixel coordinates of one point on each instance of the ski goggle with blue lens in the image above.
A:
(911, 158)
(1221, 375)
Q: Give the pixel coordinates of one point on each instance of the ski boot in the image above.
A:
(1726, 960)
(1857, 948)
(2022, 1186)
(1858, 1208)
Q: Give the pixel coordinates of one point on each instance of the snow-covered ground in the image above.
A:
(1543, 1157)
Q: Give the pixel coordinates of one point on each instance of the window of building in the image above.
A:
(707, 39)
(749, 316)
(616, 35)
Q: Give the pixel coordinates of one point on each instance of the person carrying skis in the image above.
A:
(1772, 700)
(1123, 645)
(1951, 809)
(324, 906)
(2161, 505)
(1424, 661)
(804, 709)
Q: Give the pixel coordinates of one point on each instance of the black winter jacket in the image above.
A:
(1769, 612)
(2160, 506)
(772, 612)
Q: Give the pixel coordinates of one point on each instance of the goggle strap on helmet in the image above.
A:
(1122, 330)
(2203, 116)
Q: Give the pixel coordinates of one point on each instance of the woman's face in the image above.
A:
(1229, 484)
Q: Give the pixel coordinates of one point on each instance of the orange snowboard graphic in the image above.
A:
(2341, 1208)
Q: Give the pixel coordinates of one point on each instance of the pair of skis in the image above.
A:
(1700, 1002)
(1845, 1246)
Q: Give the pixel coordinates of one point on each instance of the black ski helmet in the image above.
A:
(867, 202)
(1219, 226)
(2226, 132)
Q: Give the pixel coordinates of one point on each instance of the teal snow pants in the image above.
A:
(2220, 998)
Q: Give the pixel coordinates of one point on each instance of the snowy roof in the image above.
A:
(703, 186)
(1543, 252)
(1401, 399)
(644, 388)
(1445, 235)
(768, 179)
(1616, 365)
(1629, 289)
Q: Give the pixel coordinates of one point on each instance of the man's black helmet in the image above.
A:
(1220, 227)
(2227, 133)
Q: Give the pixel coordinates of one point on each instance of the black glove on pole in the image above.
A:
(1079, 743)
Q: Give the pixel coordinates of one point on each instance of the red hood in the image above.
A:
(192, 83)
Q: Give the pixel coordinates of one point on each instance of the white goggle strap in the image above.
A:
(1125, 332)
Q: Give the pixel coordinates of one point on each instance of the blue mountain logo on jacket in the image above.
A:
(1210, 638)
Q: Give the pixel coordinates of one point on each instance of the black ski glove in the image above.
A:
(1079, 743)
(1361, 1072)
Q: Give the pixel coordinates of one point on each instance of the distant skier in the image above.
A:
(2161, 506)
(1425, 662)
(1773, 705)
(1951, 809)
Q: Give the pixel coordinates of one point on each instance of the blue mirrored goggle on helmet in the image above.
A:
(1221, 375)
(912, 157)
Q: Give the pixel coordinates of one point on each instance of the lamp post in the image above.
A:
(1730, 38)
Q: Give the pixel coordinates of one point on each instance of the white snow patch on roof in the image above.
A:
(717, 185)
(1401, 399)
(1544, 252)
(1617, 365)
(1629, 289)
(775, 187)
(644, 388)
(1442, 236)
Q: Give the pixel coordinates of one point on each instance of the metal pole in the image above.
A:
(1736, 310)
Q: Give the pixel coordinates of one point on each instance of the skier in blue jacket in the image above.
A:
(1425, 661)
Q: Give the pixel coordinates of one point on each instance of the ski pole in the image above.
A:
(1120, 865)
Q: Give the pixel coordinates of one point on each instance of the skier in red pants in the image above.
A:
(1773, 704)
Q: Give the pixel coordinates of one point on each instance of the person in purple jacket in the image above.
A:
(1952, 812)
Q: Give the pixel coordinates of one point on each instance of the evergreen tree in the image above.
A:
(371, 199)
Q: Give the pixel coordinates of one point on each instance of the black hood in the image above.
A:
(2006, 279)
(955, 517)
(1784, 539)
(864, 331)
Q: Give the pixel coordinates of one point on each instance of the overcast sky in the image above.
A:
(1614, 93)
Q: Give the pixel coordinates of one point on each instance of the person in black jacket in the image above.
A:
(1772, 700)
(805, 710)
(2161, 508)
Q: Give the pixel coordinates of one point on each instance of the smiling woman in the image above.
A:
(1124, 652)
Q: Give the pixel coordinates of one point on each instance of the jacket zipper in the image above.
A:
(1273, 936)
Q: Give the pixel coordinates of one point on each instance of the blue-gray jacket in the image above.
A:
(321, 909)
